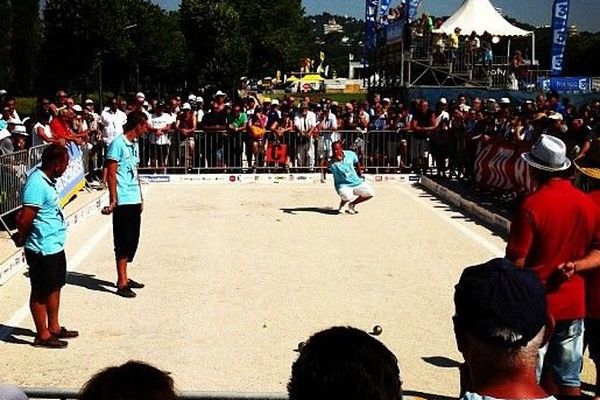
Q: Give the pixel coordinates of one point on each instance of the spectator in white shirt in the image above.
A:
(306, 127)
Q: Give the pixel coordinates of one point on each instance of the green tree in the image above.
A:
(219, 54)
(25, 42)
(276, 33)
(5, 35)
(79, 35)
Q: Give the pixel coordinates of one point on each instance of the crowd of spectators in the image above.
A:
(253, 134)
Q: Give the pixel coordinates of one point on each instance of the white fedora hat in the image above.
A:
(548, 154)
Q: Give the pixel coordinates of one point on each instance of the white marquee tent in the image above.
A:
(481, 16)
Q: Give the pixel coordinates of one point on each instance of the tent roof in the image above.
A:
(480, 16)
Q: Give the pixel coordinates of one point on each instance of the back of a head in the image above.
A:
(53, 154)
(347, 364)
(500, 304)
(133, 380)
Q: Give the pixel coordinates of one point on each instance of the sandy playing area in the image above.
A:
(238, 275)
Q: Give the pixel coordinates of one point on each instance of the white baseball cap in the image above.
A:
(219, 93)
(192, 97)
(77, 108)
(186, 106)
(505, 100)
(140, 95)
(274, 102)
(199, 99)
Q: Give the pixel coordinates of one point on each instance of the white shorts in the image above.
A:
(348, 193)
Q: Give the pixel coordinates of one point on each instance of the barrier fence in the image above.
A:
(220, 150)
(68, 394)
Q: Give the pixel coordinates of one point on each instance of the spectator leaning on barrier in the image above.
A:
(345, 363)
(13, 116)
(133, 380)
(126, 200)
(42, 230)
(500, 323)
(423, 125)
(545, 219)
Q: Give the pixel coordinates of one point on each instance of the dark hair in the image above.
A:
(133, 380)
(134, 118)
(345, 363)
(53, 154)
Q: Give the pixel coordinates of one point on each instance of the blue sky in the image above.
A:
(584, 13)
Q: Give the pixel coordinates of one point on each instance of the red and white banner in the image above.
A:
(500, 166)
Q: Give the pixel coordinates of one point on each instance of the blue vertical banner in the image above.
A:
(372, 13)
(560, 19)
(412, 6)
(385, 5)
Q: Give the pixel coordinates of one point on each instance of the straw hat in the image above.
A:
(548, 154)
(590, 164)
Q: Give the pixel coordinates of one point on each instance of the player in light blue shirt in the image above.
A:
(126, 202)
(42, 230)
(346, 170)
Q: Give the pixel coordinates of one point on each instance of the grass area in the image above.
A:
(26, 105)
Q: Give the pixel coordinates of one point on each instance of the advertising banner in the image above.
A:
(372, 9)
(560, 19)
(73, 180)
(500, 166)
(566, 84)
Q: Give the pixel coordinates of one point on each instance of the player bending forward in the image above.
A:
(347, 173)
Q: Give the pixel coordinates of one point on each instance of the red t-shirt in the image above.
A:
(60, 129)
(592, 280)
(557, 223)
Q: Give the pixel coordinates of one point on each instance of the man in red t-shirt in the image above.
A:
(589, 169)
(556, 224)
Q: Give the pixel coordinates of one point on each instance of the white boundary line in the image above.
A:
(72, 265)
(489, 246)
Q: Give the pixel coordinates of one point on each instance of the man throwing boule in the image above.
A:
(347, 179)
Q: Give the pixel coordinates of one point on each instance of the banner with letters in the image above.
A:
(577, 84)
(560, 19)
(372, 13)
(412, 6)
(500, 166)
(385, 5)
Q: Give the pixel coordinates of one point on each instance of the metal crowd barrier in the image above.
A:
(219, 150)
(13, 169)
(68, 394)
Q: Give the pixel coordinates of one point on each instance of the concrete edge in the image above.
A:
(16, 262)
(469, 207)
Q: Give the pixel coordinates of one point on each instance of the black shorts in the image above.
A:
(47, 273)
(592, 338)
(126, 230)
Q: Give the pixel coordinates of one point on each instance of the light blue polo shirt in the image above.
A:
(49, 230)
(126, 154)
(343, 171)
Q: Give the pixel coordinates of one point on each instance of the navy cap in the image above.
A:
(496, 296)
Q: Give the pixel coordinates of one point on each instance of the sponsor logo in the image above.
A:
(413, 178)
(158, 178)
(301, 177)
(378, 178)
(280, 178)
(232, 178)
(292, 177)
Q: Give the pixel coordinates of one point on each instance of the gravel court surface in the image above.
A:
(238, 275)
